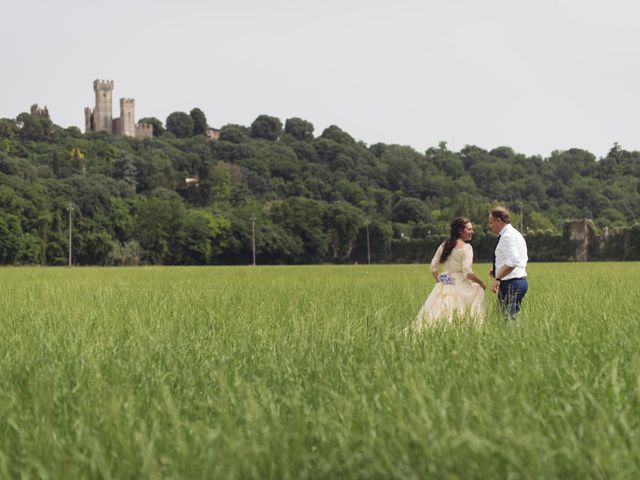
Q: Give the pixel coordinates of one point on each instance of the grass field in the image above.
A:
(304, 372)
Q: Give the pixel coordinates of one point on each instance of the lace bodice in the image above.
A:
(459, 263)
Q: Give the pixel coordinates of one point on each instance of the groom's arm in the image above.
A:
(503, 272)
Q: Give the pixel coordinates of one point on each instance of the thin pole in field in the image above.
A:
(368, 246)
(253, 237)
(70, 208)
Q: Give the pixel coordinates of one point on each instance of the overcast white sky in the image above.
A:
(536, 75)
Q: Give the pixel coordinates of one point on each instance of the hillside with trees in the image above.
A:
(183, 198)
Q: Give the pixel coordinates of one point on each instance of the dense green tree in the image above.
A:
(234, 133)
(409, 209)
(266, 127)
(34, 128)
(401, 167)
(10, 232)
(221, 183)
(8, 129)
(199, 122)
(120, 219)
(158, 226)
(92, 242)
(201, 230)
(343, 221)
(337, 135)
(305, 219)
(180, 124)
(30, 249)
(299, 129)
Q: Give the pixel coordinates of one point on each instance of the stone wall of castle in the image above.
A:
(144, 130)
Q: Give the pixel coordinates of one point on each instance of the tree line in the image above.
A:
(183, 198)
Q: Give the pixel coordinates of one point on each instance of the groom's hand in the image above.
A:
(494, 286)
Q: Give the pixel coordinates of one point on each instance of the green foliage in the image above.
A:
(200, 232)
(34, 128)
(199, 122)
(180, 124)
(158, 225)
(234, 133)
(537, 221)
(8, 129)
(10, 233)
(408, 210)
(299, 129)
(312, 197)
(304, 219)
(158, 129)
(337, 135)
(344, 222)
(548, 246)
(221, 184)
(129, 253)
(266, 127)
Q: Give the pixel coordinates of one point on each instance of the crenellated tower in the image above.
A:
(37, 111)
(128, 116)
(102, 114)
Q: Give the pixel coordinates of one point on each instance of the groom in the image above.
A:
(509, 263)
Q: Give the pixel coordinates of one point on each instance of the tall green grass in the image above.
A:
(304, 372)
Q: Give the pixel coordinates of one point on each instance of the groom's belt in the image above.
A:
(512, 279)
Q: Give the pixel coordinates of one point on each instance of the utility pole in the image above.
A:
(70, 208)
(253, 237)
(368, 245)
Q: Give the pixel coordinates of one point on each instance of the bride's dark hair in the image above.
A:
(457, 227)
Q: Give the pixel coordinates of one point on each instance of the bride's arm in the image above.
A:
(435, 262)
(474, 278)
(467, 263)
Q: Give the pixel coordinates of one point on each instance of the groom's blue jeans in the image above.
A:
(510, 295)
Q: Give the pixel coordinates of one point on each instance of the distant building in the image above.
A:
(36, 111)
(579, 233)
(100, 119)
(191, 181)
(213, 133)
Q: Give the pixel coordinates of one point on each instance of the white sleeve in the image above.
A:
(467, 260)
(509, 248)
(435, 261)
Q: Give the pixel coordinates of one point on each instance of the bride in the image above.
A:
(458, 291)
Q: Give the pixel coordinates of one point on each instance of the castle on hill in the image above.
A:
(100, 119)
(37, 111)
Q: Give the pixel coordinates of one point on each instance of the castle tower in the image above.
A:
(102, 114)
(88, 120)
(36, 111)
(101, 117)
(127, 117)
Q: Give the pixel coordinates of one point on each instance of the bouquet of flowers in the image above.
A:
(445, 279)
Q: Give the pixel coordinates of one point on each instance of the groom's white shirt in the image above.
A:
(512, 252)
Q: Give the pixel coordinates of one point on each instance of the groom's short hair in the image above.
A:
(500, 213)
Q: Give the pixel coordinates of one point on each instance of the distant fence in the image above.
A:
(579, 241)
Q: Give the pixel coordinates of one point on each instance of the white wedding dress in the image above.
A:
(457, 296)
